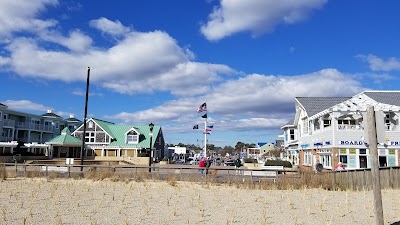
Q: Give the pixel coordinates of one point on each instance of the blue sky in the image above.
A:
(157, 61)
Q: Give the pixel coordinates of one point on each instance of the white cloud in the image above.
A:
(378, 64)
(114, 28)
(252, 102)
(22, 15)
(25, 105)
(256, 16)
(81, 92)
(140, 62)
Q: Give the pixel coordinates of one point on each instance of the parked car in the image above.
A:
(229, 163)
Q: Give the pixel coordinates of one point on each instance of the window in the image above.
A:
(307, 157)
(91, 124)
(343, 160)
(90, 137)
(326, 160)
(132, 137)
(291, 134)
(305, 126)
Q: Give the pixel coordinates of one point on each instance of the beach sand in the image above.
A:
(69, 201)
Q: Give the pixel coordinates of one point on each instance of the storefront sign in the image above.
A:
(392, 152)
(353, 151)
(395, 143)
(343, 151)
(351, 142)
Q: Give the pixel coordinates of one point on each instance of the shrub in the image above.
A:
(250, 160)
(278, 163)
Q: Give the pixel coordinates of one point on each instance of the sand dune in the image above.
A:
(68, 201)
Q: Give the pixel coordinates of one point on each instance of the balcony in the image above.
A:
(34, 126)
(8, 123)
(349, 127)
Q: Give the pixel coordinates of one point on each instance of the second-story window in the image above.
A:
(132, 137)
(291, 134)
(90, 137)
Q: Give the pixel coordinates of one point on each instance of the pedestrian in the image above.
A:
(339, 167)
(202, 165)
(319, 167)
(238, 164)
(208, 164)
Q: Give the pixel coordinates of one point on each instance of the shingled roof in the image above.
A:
(314, 105)
(386, 97)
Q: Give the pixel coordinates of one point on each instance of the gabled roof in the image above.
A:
(314, 105)
(65, 138)
(1, 104)
(288, 124)
(386, 97)
(73, 120)
(50, 114)
(118, 133)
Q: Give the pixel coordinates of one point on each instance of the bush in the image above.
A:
(250, 160)
(278, 163)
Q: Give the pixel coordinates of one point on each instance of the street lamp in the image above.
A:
(151, 126)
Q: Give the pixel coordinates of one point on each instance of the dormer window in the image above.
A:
(91, 124)
(132, 137)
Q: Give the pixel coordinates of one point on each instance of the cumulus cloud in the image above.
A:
(25, 105)
(256, 16)
(378, 64)
(140, 62)
(114, 28)
(252, 102)
(22, 15)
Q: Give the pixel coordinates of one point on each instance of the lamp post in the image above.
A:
(84, 117)
(151, 126)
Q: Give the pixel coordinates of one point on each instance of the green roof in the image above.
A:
(118, 133)
(65, 138)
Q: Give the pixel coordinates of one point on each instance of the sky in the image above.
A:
(157, 61)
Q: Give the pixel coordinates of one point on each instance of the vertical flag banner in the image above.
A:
(202, 108)
(210, 126)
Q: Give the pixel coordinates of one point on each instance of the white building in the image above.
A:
(332, 129)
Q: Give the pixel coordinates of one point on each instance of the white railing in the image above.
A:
(34, 126)
(9, 123)
(349, 127)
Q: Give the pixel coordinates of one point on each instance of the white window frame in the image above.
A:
(307, 157)
(132, 137)
(90, 136)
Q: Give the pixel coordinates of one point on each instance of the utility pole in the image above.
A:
(84, 118)
(373, 148)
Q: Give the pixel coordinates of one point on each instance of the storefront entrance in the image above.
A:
(363, 161)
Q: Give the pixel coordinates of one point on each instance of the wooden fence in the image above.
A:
(362, 179)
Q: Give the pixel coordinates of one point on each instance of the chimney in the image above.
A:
(49, 111)
(71, 116)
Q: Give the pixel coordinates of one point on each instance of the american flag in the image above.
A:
(202, 108)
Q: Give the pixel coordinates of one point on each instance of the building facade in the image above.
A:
(334, 129)
(22, 133)
(106, 139)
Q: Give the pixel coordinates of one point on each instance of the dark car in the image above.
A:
(229, 163)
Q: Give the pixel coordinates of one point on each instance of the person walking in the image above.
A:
(208, 164)
(238, 164)
(319, 167)
(202, 165)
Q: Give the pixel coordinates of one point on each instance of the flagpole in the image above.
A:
(205, 137)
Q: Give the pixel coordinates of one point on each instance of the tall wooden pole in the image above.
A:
(373, 151)
(84, 118)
